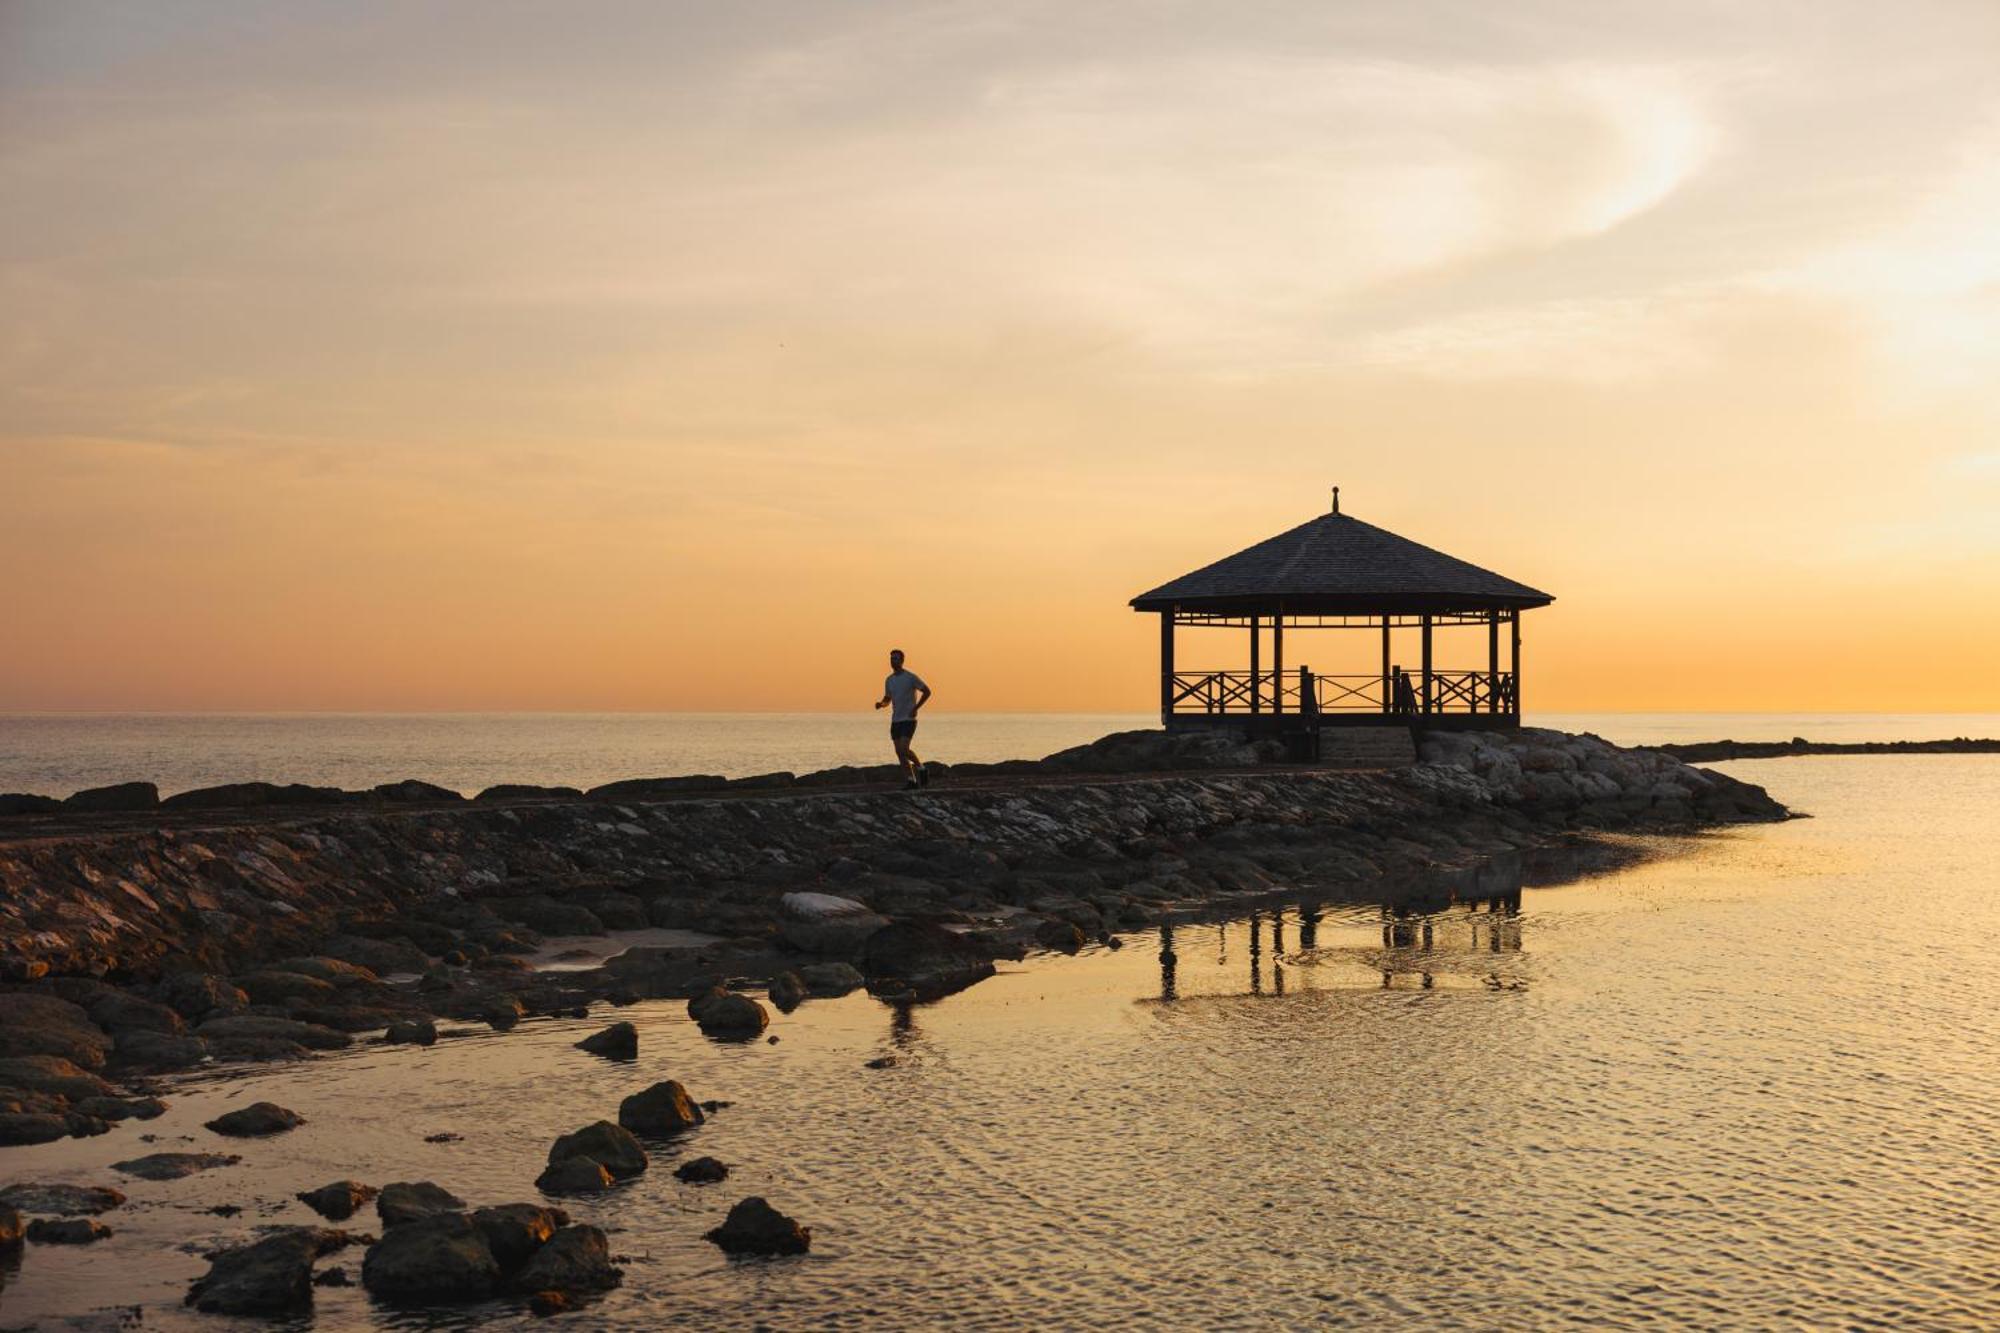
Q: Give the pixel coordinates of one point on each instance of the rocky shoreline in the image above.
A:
(131, 951)
(1714, 751)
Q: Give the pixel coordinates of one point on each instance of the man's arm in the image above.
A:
(923, 697)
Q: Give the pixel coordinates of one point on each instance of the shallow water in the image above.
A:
(55, 754)
(1751, 1083)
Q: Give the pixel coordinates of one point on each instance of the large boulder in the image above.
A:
(755, 1227)
(574, 1175)
(607, 1144)
(664, 1108)
(157, 1051)
(69, 1231)
(922, 960)
(339, 1200)
(173, 1165)
(830, 979)
(52, 1075)
(825, 923)
(727, 1016)
(272, 1276)
(620, 1041)
(18, 1129)
(412, 1032)
(514, 1231)
(576, 1258)
(255, 1121)
(259, 1028)
(276, 986)
(198, 995)
(702, 1171)
(33, 1024)
(122, 796)
(382, 957)
(442, 1257)
(406, 1201)
(61, 1200)
(119, 1013)
(788, 991)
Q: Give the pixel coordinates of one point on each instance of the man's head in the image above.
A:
(895, 659)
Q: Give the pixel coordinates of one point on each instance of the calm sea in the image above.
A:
(55, 754)
(1751, 1084)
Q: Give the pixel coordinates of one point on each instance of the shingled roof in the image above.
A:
(1337, 563)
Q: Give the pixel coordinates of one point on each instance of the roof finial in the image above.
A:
(1336, 499)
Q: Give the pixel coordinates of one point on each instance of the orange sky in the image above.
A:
(482, 356)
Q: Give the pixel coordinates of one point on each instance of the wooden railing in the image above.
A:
(1244, 693)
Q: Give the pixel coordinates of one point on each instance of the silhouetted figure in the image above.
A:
(904, 694)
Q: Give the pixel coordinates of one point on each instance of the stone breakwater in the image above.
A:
(133, 950)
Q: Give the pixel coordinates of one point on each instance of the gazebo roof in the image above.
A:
(1337, 563)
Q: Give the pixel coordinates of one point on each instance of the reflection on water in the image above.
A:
(1748, 1085)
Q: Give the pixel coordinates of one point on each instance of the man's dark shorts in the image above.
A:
(902, 731)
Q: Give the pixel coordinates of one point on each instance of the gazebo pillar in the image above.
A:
(1514, 621)
(1278, 660)
(1256, 684)
(1166, 667)
(1427, 662)
(1492, 661)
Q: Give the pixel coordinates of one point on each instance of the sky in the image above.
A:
(656, 356)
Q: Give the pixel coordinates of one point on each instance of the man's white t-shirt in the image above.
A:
(902, 687)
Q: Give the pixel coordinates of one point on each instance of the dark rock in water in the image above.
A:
(69, 1231)
(703, 997)
(1059, 935)
(12, 1230)
(921, 959)
(755, 1227)
(884, 1062)
(831, 979)
(605, 1143)
(24, 803)
(574, 1175)
(788, 991)
(33, 1024)
(52, 1075)
(664, 1108)
(197, 995)
(272, 1276)
(701, 1171)
(522, 791)
(21, 1128)
(442, 1257)
(119, 797)
(546, 1303)
(122, 1108)
(514, 1231)
(241, 795)
(62, 1200)
(406, 1201)
(445, 1136)
(620, 1041)
(410, 790)
(258, 1027)
(732, 1017)
(575, 1259)
(256, 1121)
(503, 1014)
(332, 1277)
(339, 1201)
(173, 1165)
(412, 1032)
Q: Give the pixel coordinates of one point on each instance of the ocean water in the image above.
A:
(1752, 1083)
(55, 754)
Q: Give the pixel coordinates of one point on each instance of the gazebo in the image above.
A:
(1336, 572)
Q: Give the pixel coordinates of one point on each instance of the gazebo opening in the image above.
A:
(1415, 635)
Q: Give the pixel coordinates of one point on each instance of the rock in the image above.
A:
(12, 1229)
(406, 1201)
(546, 1303)
(732, 1017)
(69, 1231)
(33, 1025)
(665, 1108)
(640, 789)
(340, 1200)
(410, 790)
(24, 803)
(382, 957)
(550, 916)
(620, 1041)
(442, 1257)
(332, 1277)
(755, 1227)
(196, 995)
(701, 1171)
(272, 1276)
(1059, 935)
(122, 1108)
(883, 1062)
(62, 1200)
(173, 1165)
(21, 1128)
(243, 795)
(921, 959)
(412, 1032)
(788, 991)
(337, 972)
(273, 986)
(121, 796)
(830, 979)
(519, 791)
(514, 1231)
(255, 1027)
(503, 1014)
(52, 1075)
(575, 1259)
(574, 1175)
(139, 1049)
(256, 1120)
(121, 1013)
(825, 923)
(609, 1145)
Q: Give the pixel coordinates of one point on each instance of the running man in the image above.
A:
(904, 694)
